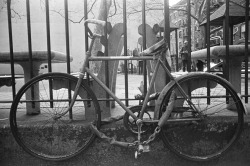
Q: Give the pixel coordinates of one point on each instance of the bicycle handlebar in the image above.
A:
(94, 21)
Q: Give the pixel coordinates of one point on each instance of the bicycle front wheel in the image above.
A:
(39, 121)
(211, 129)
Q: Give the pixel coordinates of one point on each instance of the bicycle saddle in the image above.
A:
(154, 48)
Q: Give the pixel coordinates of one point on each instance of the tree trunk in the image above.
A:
(103, 13)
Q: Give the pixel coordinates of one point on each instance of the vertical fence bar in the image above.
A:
(11, 49)
(189, 35)
(106, 54)
(167, 33)
(246, 49)
(86, 42)
(66, 7)
(207, 36)
(125, 50)
(29, 37)
(49, 49)
(30, 49)
(144, 44)
(166, 22)
(226, 38)
(176, 48)
(48, 34)
(67, 35)
(85, 18)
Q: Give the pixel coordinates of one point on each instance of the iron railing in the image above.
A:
(144, 46)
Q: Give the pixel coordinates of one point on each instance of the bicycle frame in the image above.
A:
(159, 56)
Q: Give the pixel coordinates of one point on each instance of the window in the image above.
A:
(185, 31)
(235, 33)
(242, 31)
(180, 34)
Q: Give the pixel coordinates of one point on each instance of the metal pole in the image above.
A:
(177, 53)
(226, 38)
(67, 51)
(86, 43)
(67, 34)
(208, 36)
(49, 50)
(125, 50)
(189, 35)
(167, 22)
(106, 54)
(167, 33)
(208, 48)
(11, 49)
(48, 34)
(29, 38)
(144, 45)
(246, 49)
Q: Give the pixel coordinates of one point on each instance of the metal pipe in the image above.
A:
(125, 49)
(166, 23)
(226, 38)
(177, 53)
(67, 34)
(208, 48)
(49, 49)
(144, 44)
(106, 53)
(208, 36)
(115, 58)
(67, 50)
(167, 33)
(11, 49)
(29, 38)
(246, 48)
(48, 34)
(189, 35)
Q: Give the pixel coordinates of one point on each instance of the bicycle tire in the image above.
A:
(47, 133)
(218, 129)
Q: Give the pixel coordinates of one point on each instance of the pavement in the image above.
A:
(104, 154)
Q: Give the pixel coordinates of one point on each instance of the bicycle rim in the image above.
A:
(218, 123)
(38, 122)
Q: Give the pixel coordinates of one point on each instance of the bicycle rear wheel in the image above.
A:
(211, 131)
(38, 122)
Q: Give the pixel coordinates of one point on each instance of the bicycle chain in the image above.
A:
(152, 137)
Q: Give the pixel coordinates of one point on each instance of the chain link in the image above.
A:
(152, 137)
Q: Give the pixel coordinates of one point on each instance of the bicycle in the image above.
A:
(199, 116)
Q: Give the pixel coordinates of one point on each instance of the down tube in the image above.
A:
(111, 94)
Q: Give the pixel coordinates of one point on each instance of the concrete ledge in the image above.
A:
(101, 153)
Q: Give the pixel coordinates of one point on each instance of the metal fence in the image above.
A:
(144, 46)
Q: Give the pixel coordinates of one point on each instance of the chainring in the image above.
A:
(130, 123)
